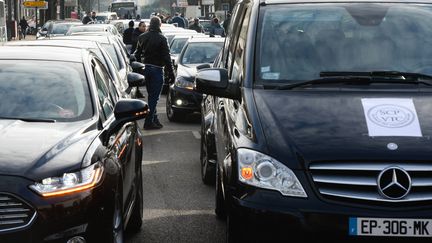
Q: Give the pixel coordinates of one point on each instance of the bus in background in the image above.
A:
(3, 32)
(124, 9)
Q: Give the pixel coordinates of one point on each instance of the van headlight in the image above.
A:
(259, 170)
(70, 182)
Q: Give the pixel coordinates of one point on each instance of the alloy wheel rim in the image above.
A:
(117, 224)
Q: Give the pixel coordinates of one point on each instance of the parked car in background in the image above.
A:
(182, 99)
(54, 28)
(106, 17)
(94, 28)
(70, 164)
(94, 46)
(311, 132)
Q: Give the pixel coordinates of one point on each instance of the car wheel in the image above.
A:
(220, 208)
(136, 218)
(113, 231)
(208, 173)
(172, 114)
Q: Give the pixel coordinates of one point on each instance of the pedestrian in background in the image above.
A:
(196, 26)
(136, 33)
(153, 51)
(178, 20)
(127, 36)
(226, 23)
(216, 28)
(24, 25)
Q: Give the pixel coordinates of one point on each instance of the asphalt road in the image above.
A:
(178, 207)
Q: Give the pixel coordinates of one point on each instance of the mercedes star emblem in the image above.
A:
(394, 183)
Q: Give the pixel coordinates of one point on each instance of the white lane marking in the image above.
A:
(160, 213)
(196, 134)
(152, 162)
(158, 132)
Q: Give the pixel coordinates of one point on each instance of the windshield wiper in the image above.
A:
(326, 80)
(380, 74)
(364, 78)
(28, 119)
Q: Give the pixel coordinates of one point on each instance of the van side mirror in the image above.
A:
(215, 81)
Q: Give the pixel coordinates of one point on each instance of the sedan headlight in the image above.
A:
(184, 83)
(69, 182)
(259, 170)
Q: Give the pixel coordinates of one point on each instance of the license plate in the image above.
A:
(390, 227)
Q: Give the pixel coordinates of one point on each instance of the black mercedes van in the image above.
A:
(318, 116)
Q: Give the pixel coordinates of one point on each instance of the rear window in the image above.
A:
(298, 41)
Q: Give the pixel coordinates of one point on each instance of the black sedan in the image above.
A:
(198, 52)
(70, 163)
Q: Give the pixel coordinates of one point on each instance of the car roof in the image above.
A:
(343, 1)
(198, 39)
(104, 39)
(50, 53)
(56, 42)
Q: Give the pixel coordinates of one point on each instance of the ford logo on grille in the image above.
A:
(394, 183)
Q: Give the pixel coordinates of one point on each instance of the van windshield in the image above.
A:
(297, 42)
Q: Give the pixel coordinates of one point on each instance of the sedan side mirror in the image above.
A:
(134, 80)
(215, 81)
(126, 110)
(137, 67)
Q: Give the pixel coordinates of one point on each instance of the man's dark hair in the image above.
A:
(155, 23)
(131, 24)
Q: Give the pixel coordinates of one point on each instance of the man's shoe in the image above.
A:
(152, 126)
(157, 122)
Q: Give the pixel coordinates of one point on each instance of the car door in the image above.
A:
(233, 58)
(121, 142)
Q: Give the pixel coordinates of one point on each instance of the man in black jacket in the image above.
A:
(127, 36)
(152, 50)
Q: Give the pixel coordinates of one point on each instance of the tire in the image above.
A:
(172, 114)
(208, 170)
(136, 218)
(220, 206)
(113, 232)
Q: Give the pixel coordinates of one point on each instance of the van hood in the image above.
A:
(332, 126)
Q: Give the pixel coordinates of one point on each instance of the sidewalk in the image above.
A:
(28, 38)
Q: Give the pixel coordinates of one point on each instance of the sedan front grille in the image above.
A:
(14, 213)
(358, 182)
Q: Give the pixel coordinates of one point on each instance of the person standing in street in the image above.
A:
(89, 18)
(226, 23)
(216, 28)
(152, 50)
(196, 26)
(136, 33)
(127, 36)
(178, 20)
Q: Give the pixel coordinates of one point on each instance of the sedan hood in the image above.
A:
(187, 71)
(37, 150)
(332, 126)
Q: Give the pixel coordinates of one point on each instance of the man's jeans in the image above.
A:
(154, 83)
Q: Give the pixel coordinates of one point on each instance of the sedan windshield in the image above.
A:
(57, 91)
(298, 42)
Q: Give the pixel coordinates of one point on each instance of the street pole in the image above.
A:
(98, 6)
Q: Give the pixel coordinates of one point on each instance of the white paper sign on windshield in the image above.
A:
(391, 117)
